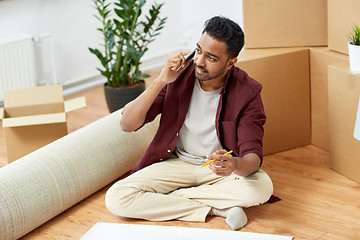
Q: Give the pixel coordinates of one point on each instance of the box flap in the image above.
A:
(75, 104)
(33, 101)
(34, 120)
(1, 113)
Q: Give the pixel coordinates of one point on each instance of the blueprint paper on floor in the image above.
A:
(116, 231)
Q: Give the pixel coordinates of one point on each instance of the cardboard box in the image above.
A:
(341, 17)
(34, 117)
(284, 74)
(285, 23)
(344, 93)
(320, 59)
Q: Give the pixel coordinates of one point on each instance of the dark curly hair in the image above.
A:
(226, 30)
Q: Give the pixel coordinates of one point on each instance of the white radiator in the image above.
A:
(17, 63)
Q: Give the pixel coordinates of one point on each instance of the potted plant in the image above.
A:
(126, 34)
(354, 48)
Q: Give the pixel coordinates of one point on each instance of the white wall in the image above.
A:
(73, 28)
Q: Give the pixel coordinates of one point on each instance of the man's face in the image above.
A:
(211, 59)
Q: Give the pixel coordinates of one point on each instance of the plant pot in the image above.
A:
(117, 98)
(354, 57)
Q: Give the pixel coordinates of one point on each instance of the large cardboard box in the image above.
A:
(285, 23)
(284, 74)
(34, 117)
(341, 17)
(320, 59)
(344, 93)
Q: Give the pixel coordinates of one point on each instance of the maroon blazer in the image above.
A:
(239, 120)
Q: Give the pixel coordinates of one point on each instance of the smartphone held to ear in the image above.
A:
(188, 57)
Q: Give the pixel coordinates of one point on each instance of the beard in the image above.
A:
(205, 76)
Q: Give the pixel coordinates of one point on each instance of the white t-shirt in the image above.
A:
(197, 136)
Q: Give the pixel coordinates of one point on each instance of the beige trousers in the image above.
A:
(174, 189)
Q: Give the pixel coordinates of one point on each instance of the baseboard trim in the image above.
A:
(82, 84)
(96, 79)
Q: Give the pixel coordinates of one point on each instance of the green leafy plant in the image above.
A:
(354, 36)
(125, 38)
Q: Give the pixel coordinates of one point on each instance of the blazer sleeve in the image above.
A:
(156, 107)
(250, 127)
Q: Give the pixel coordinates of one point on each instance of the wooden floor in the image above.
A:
(317, 203)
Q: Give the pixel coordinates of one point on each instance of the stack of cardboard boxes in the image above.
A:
(298, 51)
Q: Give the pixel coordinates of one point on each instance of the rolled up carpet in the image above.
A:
(46, 182)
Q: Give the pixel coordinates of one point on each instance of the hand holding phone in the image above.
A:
(188, 57)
